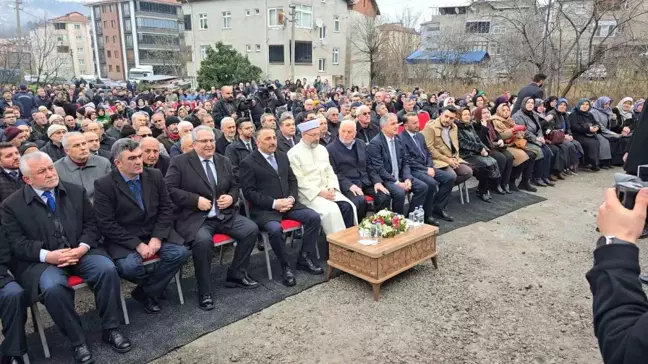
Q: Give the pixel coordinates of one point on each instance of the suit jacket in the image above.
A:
(380, 160)
(237, 151)
(30, 226)
(162, 164)
(350, 166)
(262, 185)
(186, 180)
(8, 185)
(104, 153)
(221, 145)
(441, 152)
(368, 133)
(121, 220)
(420, 157)
(283, 145)
(5, 261)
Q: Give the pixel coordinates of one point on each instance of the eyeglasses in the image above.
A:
(146, 135)
(366, 113)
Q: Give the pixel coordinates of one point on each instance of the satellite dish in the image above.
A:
(319, 23)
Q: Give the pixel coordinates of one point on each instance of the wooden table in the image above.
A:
(390, 257)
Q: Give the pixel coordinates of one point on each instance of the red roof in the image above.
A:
(73, 17)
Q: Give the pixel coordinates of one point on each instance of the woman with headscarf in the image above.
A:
(515, 142)
(571, 148)
(449, 101)
(431, 107)
(558, 159)
(624, 115)
(496, 147)
(636, 113)
(503, 99)
(550, 103)
(585, 130)
(473, 151)
(536, 142)
(618, 143)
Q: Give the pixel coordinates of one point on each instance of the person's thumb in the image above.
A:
(641, 203)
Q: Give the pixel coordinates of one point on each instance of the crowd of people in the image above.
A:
(96, 182)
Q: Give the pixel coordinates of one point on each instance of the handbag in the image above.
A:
(520, 143)
(556, 136)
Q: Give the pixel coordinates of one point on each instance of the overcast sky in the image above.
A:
(392, 8)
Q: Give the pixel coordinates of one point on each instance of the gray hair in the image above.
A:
(265, 115)
(67, 136)
(350, 122)
(361, 109)
(121, 145)
(34, 156)
(332, 109)
(227, 119)
(286, 115)
(385, 118)
(194, 133)
(139, 113)
(184, 124)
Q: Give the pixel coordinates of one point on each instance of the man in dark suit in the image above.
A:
(286, 135)
(10, 178)
(151, 155)
(204, 189)
(13, 313)
(349, 161)
(92, 140)
(389, 166)
(243, 145)
(439, 182)
(134, 214)
(271, 189)
(50, 226)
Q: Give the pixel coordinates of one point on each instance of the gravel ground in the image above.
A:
(512, 290)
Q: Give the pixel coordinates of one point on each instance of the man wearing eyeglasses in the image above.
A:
(204, 189)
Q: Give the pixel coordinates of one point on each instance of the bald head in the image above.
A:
(227, 93)
(149, 142)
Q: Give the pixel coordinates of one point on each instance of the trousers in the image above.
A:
(13, 316)
(311, 223)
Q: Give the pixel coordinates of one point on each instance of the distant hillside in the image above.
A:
(35, 11)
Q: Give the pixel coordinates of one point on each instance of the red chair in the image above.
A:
(220, 240)
(370, 201)
(178, 276)
(423, 117)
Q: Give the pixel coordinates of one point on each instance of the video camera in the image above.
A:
(628, 186)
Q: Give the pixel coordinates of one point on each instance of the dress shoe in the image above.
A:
(548, 182)
(431, 221)
(500, 191)
(561, 175)
(605, 166)
(260, 244)
(118, 342)
(306, 264)
(506, 189)
(245, 282)
(205, 302)
(443, 215)
(82, 355)
(595, 169)
(569, 172)
(526, 186)
(513, 188)
(538, 183)
(643, 278)
(484, 196)
(288, 277)
(12, 360)
(553, 178)
(149, 304)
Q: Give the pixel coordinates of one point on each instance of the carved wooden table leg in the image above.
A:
(330, 271)
(434, 261)
(376, 290)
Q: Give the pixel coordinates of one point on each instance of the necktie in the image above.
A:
(210, 175)
(136, 188)
(292, 142)
(51, 202)
(418, 146)
(392, 156)
(273, 162)
(13, 175)
(248, 147)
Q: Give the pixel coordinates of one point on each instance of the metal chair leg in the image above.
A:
(317, 253)
(38, 326)
(124, 309)
(266, 247)
(461, 194)
(467, 195)
(26, 359)
(178, 278)
(221, 256)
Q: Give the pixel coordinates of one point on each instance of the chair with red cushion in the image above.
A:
(370, 201)
(423, 117)
(220, 240)
(178, 276)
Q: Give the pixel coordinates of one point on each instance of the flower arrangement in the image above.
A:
(388, 223)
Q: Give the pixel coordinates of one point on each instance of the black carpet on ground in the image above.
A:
(178, 325)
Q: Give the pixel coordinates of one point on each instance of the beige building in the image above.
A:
(61, 48)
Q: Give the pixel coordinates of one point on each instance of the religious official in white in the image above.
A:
(318, 185)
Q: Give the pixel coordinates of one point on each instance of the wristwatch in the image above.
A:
(610, 239)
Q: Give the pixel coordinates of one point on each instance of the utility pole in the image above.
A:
(19, 44)
(292, 14)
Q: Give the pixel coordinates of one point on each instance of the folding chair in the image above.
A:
(220, 240)
(178, 276)
(76, 283)
(463, 188)
(423, 117)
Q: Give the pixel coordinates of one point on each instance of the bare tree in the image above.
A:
(400, 38)
(50, 59)
(366, 41)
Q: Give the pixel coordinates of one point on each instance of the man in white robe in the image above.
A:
(318, 185)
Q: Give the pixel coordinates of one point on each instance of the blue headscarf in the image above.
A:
(599, 105)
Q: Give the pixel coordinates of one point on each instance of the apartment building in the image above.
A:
(129, 34)
(261, 29)
(61, 47)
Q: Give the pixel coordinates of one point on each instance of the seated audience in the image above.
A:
(365, 129)
(228, 127)
(151, 155)
(571, 148)
(286, 135)
(184, 128)
(586, 131)
(496, 148)
(243, 145)
(54, 148)
(92, 139)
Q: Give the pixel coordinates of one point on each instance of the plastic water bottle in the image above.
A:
(420, 216)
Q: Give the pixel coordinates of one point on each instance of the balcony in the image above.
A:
(157, 15)
(143, 29)
(158, 46)
(159, 61)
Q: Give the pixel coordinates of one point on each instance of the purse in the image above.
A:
(520, 143)
(556, 136)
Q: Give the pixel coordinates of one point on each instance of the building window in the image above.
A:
(496, 49)
(187, 22)
(336, 55)
(227, 20)
(257, 11)
(433, 27)
(336, 24)
(322, 32)
(116, 54)
(126, 9)
(606, 28)
(63, 49)
(156, 7)
(105, 24)
(77, 26)
(81, 62)
(248, 12)
(276, 54)
(258, 48)
(59, 26)
(118, 68)
(60, 38)
(304, 16)
(274, 15)
(248, 48)
(498, 29)
(321, 65)
(157, 23)
(110, 8)
(479, 46)
(97, 11)
(114, 39)
(303, 52)
(112, 24)
(110, 68)
(202, 19)
(79, 50)
(107, 39)
(127, 26)
(109, 54)
(79, 38)
(129, 40)
(478, 27)
(203, 52)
